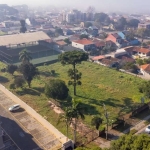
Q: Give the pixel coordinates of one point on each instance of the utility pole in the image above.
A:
(106, 116)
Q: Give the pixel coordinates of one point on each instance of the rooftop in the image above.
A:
(145, 67)
(84, 42)
(16, 39)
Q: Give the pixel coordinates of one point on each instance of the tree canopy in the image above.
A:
(23, 28)
(11, 69)
(145, 88)
(133, 23)
(73, 57)
(101, 17)
(59, 31)
(56, 89)
(29, 71)
(25, 56)
(82, 36)
(87, 24)
(131, 142)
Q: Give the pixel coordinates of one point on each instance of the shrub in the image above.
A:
(133, 131)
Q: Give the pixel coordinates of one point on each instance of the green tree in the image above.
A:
(67, 118)
(131, 142)
(23, 28)
(82, 36)
(142, 33)
(145, 89)
(139, 62)
(25, 56)
(87, 24)
(11, 69)
(73, 58)
(96, 121)
(19, 82)
(100, 17)
(56, 89)
(67, 41)
(133, 23)
(29, 71)
(121, 23)
(59, 31)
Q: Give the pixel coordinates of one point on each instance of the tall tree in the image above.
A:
(145, 89)
(56, 89)
(23, 28)
(25, 56)
(67, 118)
(73, 58)
(29, 71)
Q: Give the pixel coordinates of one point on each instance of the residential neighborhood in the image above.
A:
(74, 75)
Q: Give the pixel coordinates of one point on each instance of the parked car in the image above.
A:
(147, 130)
(14, 107)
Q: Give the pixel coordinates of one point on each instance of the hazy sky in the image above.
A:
(107, 5)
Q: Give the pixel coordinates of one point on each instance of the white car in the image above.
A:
(14, 107)
(147, 130)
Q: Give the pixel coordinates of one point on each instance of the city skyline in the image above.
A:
(133, 6)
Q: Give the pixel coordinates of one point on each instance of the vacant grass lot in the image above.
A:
(99, 85)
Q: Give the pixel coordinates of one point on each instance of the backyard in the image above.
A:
(118, 91)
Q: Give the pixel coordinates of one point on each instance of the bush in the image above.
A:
(56, 89)
(19, 82)
(3, 70)
(133, 131)
(12, 86)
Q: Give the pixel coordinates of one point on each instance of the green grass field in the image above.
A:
(99, 85)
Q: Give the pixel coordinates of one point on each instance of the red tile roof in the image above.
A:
(98, 57)
(62, 43)
(84, 42)
(142, 50)
(146, 67)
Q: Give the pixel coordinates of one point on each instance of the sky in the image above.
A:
(133, 6)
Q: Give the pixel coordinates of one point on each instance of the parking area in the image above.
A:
(25, 131)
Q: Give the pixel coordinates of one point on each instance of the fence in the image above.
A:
(62, 138)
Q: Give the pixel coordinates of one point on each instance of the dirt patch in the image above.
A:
(57, 109)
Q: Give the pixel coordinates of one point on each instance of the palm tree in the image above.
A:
(25, 56)
(67, 118)
(76, 113)
(96, 121)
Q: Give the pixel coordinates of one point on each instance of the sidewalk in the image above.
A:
(139, 126)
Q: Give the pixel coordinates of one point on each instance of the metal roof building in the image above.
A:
(23, 38)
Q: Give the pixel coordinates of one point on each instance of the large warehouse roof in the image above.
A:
(23, 38)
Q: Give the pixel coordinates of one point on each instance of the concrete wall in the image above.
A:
(62, 138)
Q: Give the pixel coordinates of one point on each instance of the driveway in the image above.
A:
(25, 131)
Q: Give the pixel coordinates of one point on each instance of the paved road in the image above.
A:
(25, 131)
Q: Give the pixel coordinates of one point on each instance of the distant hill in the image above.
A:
(4, 8)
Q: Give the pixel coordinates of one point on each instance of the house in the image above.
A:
(115, 38)
(144, 25)
(100, 44)
(110, 62)
(120, 52)
(142, 52)
(74, 37)
(145, 69)
(98, 58)
(93, 30)
(60, 45)
(84, 44)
